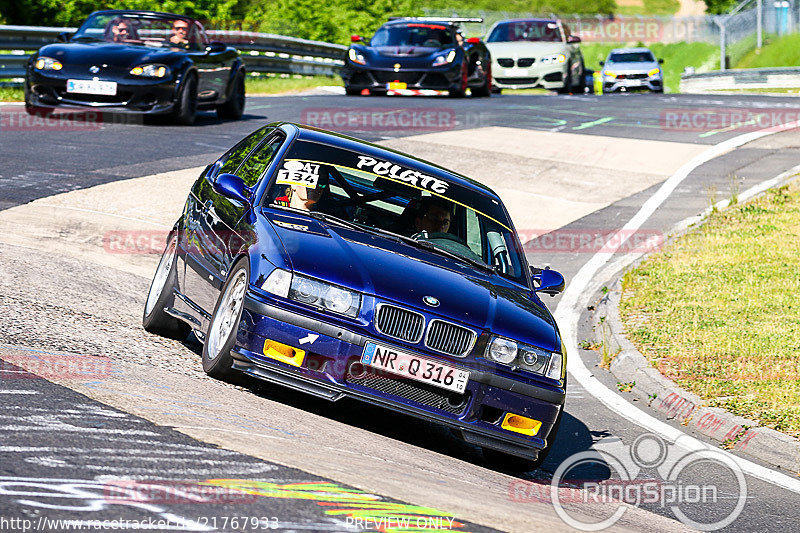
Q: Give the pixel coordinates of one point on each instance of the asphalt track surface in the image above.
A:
(42, 450)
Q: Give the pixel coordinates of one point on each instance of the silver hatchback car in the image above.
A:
(628, 69)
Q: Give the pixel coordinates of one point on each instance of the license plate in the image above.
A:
(512, 72)
(415, 367)
(396, 85)
(634, 83)
(107, 88)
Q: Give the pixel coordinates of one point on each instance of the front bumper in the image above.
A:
(327, 371)
(145, 96)
(550, 77)
(444, 78)
(632, 84)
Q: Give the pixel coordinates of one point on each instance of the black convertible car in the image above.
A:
(137, 62)
(413, 54)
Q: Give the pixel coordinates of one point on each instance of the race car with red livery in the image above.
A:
(418, 54)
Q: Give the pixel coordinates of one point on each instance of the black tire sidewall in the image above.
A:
(221, 365)
(184, 114)
(158, 321)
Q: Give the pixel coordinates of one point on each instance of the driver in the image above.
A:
(180, 33)
(433, 216)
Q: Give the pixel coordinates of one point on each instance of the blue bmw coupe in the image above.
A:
(343, 269)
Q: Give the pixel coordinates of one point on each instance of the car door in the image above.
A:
(211, 221)
(214, 62)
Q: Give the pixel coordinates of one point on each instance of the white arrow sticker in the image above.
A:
(309, 339)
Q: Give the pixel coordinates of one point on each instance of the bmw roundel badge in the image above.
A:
(431, 301)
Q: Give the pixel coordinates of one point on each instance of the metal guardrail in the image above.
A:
(261, 52)
(737, 79)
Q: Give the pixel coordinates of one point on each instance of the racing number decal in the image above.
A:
(296, 172)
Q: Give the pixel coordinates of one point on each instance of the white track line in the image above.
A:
(577, 295)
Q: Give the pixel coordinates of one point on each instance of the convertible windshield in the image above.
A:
(381, 195)
(631, 57)
(140, 30)
(414, 34)
(527, 30)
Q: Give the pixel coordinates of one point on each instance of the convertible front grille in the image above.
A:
(399, 323)
(449, 338)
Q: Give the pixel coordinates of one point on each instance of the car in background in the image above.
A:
(628, 69)
(535, 53)
(137, 62)
(340, 268)
(416, 54)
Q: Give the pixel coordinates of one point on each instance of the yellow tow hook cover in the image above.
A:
(521, 424)
(284, 353)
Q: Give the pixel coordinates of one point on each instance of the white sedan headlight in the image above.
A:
(150, 71)
(554, 59)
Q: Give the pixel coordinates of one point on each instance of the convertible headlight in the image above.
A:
(150, 71)
(609, 74)
(526, 357)
(278, 282)
(653, 72)
(554, 59)
(444, 59)
(324, 296)
(48, 63)
(356, 57)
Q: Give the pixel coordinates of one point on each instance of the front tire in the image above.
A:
(186, 106)
(221, 336)
(486, 88)
(233, 108)
(160, 296)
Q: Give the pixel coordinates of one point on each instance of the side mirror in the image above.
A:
(356, 39)
(63, 37)
(660, 61)
(216, 47)
(474, 40)
(550, 281)
(573, 39)
(602, 63)
(232, 186)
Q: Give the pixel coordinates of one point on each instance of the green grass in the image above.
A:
(11, 94)
(278, 85)
(676, 57)
(717, 310)
(650, 7)
(776, 52)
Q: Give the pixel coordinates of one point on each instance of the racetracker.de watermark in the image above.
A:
(16, 118)
(381, 119)
(173, 492)
(738, 119)
(591, 241)
(54, 366)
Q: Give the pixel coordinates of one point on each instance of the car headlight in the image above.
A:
(47, 63)
(356, 57)
(654, 72)
(554, 59)
(150, 71)
(526, 357)
(444, 59)
(324, 296)
(609, 74)
(278, 282)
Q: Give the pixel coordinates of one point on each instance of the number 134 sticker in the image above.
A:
(296, 172)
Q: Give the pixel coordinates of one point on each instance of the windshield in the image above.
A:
(413, 34)
(140, 30)
(528, 30)
(631, 57)
(379, 195)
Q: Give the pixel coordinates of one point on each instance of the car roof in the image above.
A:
(312, 134)
(412, 20)
(140, 12)
(625, 50)
(554, 21)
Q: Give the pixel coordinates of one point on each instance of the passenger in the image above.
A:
(119, 30)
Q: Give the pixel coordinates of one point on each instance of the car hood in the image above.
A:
(624, 68)
(401, 273)
(111, 54)
(525, 49)
(404, 51)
